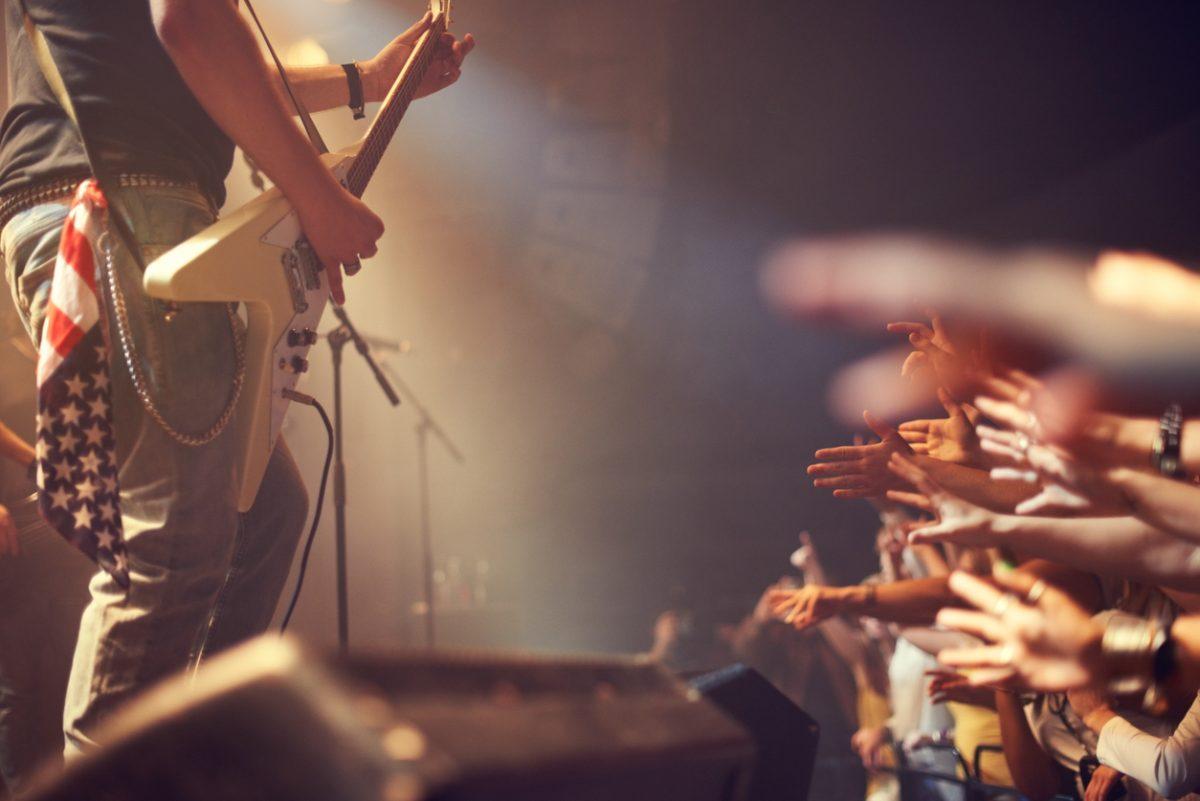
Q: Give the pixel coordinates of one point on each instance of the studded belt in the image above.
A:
(63, 189)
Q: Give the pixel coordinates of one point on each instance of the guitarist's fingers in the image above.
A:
(334, 274)
(414, 32)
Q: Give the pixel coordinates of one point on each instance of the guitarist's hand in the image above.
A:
(380, 72)
(341, 230)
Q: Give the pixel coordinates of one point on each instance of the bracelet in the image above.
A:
(1165, 455)
(1130, 646)
(354, 81)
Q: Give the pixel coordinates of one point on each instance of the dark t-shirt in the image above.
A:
(131, 102)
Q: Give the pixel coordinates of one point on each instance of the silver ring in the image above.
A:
(1031, 420)
(1035, 592)
(1003, 604)
(1023, 442)
(1008, 655)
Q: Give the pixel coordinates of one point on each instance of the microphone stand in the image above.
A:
(338, 337)
(426, 425)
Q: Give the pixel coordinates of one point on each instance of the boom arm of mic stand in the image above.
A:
(427, 421)
(364, 349)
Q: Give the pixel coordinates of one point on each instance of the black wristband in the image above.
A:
(354, 81)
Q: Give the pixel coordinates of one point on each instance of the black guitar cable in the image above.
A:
(309, 400)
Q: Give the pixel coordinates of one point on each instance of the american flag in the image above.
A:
(76, 450)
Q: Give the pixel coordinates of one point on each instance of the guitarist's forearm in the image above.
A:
(216, 55)
(318, 88)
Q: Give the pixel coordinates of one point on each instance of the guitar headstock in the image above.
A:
(442, 8)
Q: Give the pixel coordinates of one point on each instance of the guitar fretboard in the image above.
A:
(395, 106)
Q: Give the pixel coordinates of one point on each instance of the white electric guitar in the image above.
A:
(258, 256)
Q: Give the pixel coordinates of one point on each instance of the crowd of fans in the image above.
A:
(1039, 537)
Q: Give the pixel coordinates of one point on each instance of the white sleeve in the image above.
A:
(1168, 765)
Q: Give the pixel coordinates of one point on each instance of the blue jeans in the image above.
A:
(203, 577)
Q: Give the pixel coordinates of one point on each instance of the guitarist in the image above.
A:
(163, 90)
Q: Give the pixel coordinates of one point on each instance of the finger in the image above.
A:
(1000, 389)
(971, 412)
(416, 29)
(881, 429)
(835, 468)
(1010, 414)
(978, 624)
(939, 329)
(910, 327)
(805, 538)
(975, 591)
(915, 427)
(984, 656)
(334, 274)
(948, 403)
(914, 499)
(842, 454)
(920, 448)
(1018, 581)
(997, 435)
(856, 494)
(853, 481)
(992, 678)
(1013, 474)
(468, 44)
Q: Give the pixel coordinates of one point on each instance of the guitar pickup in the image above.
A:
(294, 273)
(311, 267)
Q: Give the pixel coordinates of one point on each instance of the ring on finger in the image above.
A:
(1022, 442)
(1008, 655)
(1035, 592)
(1003, 604)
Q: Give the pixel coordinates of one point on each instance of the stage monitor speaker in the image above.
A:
(270, 721)
(785, 736)
(538, 729)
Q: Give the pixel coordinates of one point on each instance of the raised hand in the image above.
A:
(809, 605)
(1039, 637)
(950, 440)
(932, 348)
(871, 746)
(1104, 785)
(861, 471)
(957, 520)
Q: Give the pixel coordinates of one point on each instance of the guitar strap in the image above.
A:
(306, 119)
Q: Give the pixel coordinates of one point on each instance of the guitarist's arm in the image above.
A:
(216, 55)
(325, 87)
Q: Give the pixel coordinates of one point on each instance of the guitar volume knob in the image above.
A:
(310, 336)
(299, 364)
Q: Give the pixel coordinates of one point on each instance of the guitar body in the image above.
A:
(256, 255)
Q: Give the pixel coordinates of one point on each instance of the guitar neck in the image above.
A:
(395, 105)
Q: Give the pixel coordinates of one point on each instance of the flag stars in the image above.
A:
(60, 470)
(110, 484)
(70, 414)
(108, 512)
(76, 386)
(100, 379)
(83, 518)
(99, 407)
(67, 442)
(94, 435)
(45, 422)
(59, 498)
(90, 463)
(102, 353)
